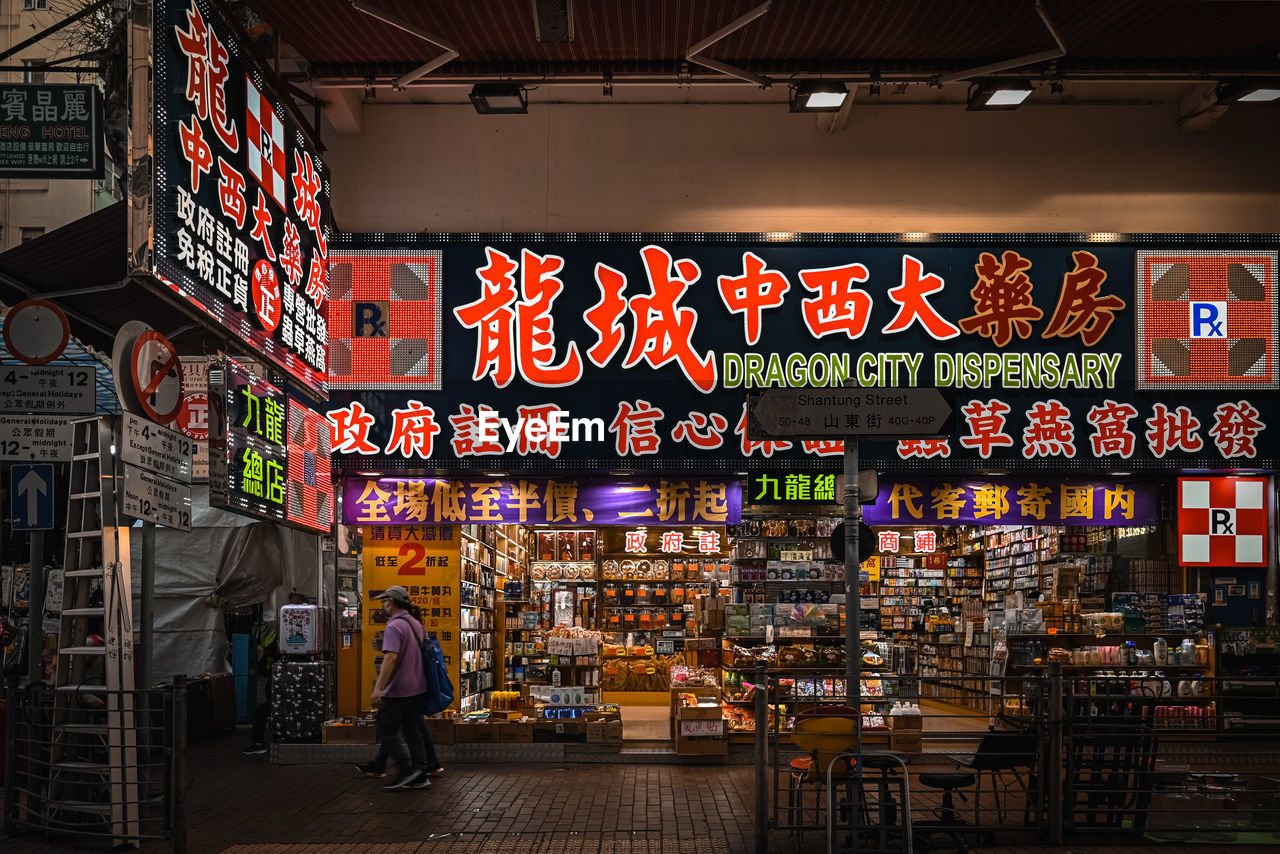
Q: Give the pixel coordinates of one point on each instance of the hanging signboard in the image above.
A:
(241, 201)
(50, 130)
(155, 448)
(540, 501)
(1223, 521)
(247, 457)
(309, 484)
(192, 420)
(48, 389)
(630, 351)
(30, 438)
(156, 499)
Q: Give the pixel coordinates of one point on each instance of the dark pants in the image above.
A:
(413, 718)
(395, 715)
(261, 713)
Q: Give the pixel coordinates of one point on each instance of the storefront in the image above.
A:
(550, 438)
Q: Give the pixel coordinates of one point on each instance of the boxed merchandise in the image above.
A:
(560, 731)
(911, 741)
(701, 746)
(515, 732)
(604, 732)
(440, 729)
(906, 723)
(476, 734)
(345, 732)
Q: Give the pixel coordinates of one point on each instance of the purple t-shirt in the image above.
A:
(402, 637)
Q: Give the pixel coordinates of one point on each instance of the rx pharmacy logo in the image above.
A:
(1207, 319)
(1222, 521)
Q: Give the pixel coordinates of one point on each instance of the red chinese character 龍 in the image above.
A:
(231, 193)
(196, 151)
(839, 307)
(1001, 299)
(912, 297)
(1111, 435)
(924, 448)
(701, 430)
(663, 329)
(634, 428)
(492, 317)
(207, 75)
(1079, 310)
(603, 317)
(1173, 431)
(413, 431)
(986, 426)
(349, 430)
(1049, 432)
(535, 332)
(750, 446)
(1235, 426)
(752, 292)
(468, 439)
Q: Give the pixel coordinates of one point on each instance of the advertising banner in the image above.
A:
(630, 351)
(540, 501)
(50, 130)
(1014, 501)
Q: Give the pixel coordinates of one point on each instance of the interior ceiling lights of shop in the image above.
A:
(999, 94)
(1249, 92)
(818, 96)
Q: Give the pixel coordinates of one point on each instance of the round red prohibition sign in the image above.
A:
(266, 295)
(36, 331)
(157, 376)
(193, 416)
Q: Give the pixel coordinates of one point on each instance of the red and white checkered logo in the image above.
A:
(1222, 521)
(265, 143)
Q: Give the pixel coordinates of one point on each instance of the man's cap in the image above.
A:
(395, 593)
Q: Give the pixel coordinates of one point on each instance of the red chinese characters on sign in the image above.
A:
(751, 293)
(663, 329)
(926, 541)
(986, 426)
(635, 542)
(350, 427)
(261, 222)
(1112, 436)
(708, 542)
(1235, 428)
(887, 541)
(291, 254)
(924, 448)
(822, 447)
(1080, 311)
(306, 197)
(701, 430)
(207, 76)
(634, 428)
(413, 431)
(1002, 299)
(266, 295)
(749, 447)
(839, 307)
(538, 433)
(912, 298)
(196, 151)
(1049, 432)
(231, 193)
(492, 317)
(467, 440)
(603, 317)
(1173, 431)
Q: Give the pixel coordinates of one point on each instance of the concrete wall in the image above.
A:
(572, 167)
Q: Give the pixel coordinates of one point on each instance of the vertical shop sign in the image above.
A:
(310, 482)
(426, 560)
(241, 201)
(247, 462)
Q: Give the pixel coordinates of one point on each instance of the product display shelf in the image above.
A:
(489, 552)
(1248, 662)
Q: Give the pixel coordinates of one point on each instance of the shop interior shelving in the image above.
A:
(488, 552)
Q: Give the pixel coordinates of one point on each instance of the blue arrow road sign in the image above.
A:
(31, 496)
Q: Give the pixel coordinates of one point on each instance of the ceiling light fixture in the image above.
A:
(491, 99)
(1249, 92)
(999, 94)
(818, 96)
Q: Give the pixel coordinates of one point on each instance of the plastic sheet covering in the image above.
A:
(227, 560)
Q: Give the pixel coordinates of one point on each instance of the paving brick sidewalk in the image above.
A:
(245, 805)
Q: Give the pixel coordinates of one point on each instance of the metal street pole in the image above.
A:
(148, 598)
(852, 586)
(35, 613)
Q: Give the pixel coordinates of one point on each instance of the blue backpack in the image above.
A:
(439, 688)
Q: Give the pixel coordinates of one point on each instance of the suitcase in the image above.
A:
(199, 707)
(301, 697)
(223, 699)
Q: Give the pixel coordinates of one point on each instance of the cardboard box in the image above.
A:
(348, 734)
(604, 732)
(440, 729)
(596, 715)
(701, 746)
(476, 734)
(906, 742)
(899, 723)
(516, 732)
(560, 731)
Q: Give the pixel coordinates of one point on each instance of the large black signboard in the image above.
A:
(248, 465)
(240, 200)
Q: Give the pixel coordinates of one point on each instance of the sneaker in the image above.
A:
(254, 750)
(421, 783)
(437, 772)
(404, 781)
(370, 770)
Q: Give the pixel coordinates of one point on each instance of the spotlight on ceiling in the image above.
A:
(499, 99)
(999, 95)
(1249, 92)
(818, 96)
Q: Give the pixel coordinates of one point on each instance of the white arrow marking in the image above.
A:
(33, 486)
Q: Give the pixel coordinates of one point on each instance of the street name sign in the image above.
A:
(876, 413)
(49, 389)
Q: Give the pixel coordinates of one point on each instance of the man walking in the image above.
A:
(396, 694)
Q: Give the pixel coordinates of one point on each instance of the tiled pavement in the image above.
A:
(245, 805)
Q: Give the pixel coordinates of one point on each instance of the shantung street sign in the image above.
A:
(539, 501)
(1014, 501)
(50, 130)
(1042, 345)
